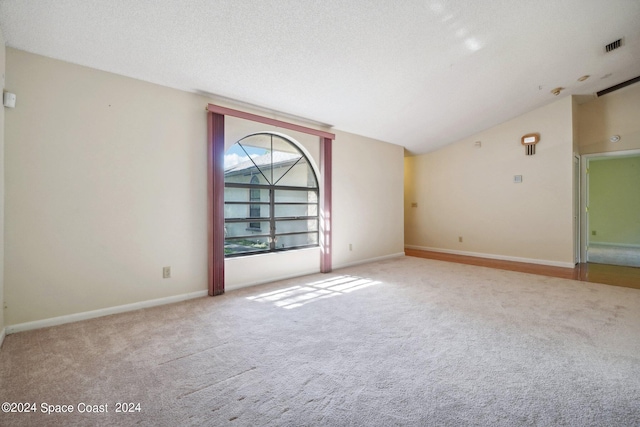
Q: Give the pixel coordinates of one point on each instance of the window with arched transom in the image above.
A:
(270, 198)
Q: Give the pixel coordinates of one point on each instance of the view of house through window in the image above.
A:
(270, 196)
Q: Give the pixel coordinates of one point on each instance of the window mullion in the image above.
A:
(272, 220)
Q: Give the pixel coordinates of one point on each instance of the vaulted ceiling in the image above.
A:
(418, 73)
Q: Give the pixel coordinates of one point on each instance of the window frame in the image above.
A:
(215, 189)
(272, 234)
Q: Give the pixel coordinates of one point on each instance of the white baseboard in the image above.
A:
(54, 321)
(492, 256)
(2, 335)
(368, 260)
(615, 245)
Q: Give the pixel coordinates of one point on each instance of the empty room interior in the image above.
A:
(320, 213)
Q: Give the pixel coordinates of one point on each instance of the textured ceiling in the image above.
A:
(418, 73)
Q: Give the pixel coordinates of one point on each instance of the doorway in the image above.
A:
(612, 204)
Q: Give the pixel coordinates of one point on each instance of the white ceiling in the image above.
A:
(418, 73)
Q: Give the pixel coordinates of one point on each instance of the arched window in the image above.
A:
(269, 178)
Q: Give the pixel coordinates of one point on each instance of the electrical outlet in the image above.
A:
(350, 247)
(166, 272)
(460, 239)
(414, 204)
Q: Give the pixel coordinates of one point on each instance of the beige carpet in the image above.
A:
(406, 342)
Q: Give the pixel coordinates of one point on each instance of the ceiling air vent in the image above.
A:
(613, 45)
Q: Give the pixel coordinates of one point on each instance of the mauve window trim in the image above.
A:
(215, 185)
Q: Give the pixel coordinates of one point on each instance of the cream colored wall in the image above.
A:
(466, 191)
(616, 113)
(2, 72)
(575, 125)
(106, 184)
(576, 181)
(367, 199)
(104, 187)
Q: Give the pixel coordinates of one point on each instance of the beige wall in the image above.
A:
(575, 125)
(106, 185)
(2, 72)
(466, 191)
(616, 113)
(104, 188)
(367, 199)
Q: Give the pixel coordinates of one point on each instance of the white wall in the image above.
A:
(2, 83)
(367, 199)
(104, 188)
(466, 191)
(106, 184)
(616, 113)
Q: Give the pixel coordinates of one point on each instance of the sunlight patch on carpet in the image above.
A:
(297, 296)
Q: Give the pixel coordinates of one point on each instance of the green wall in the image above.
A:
(614, 200)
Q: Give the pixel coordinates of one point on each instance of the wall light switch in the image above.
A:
(517, 179)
